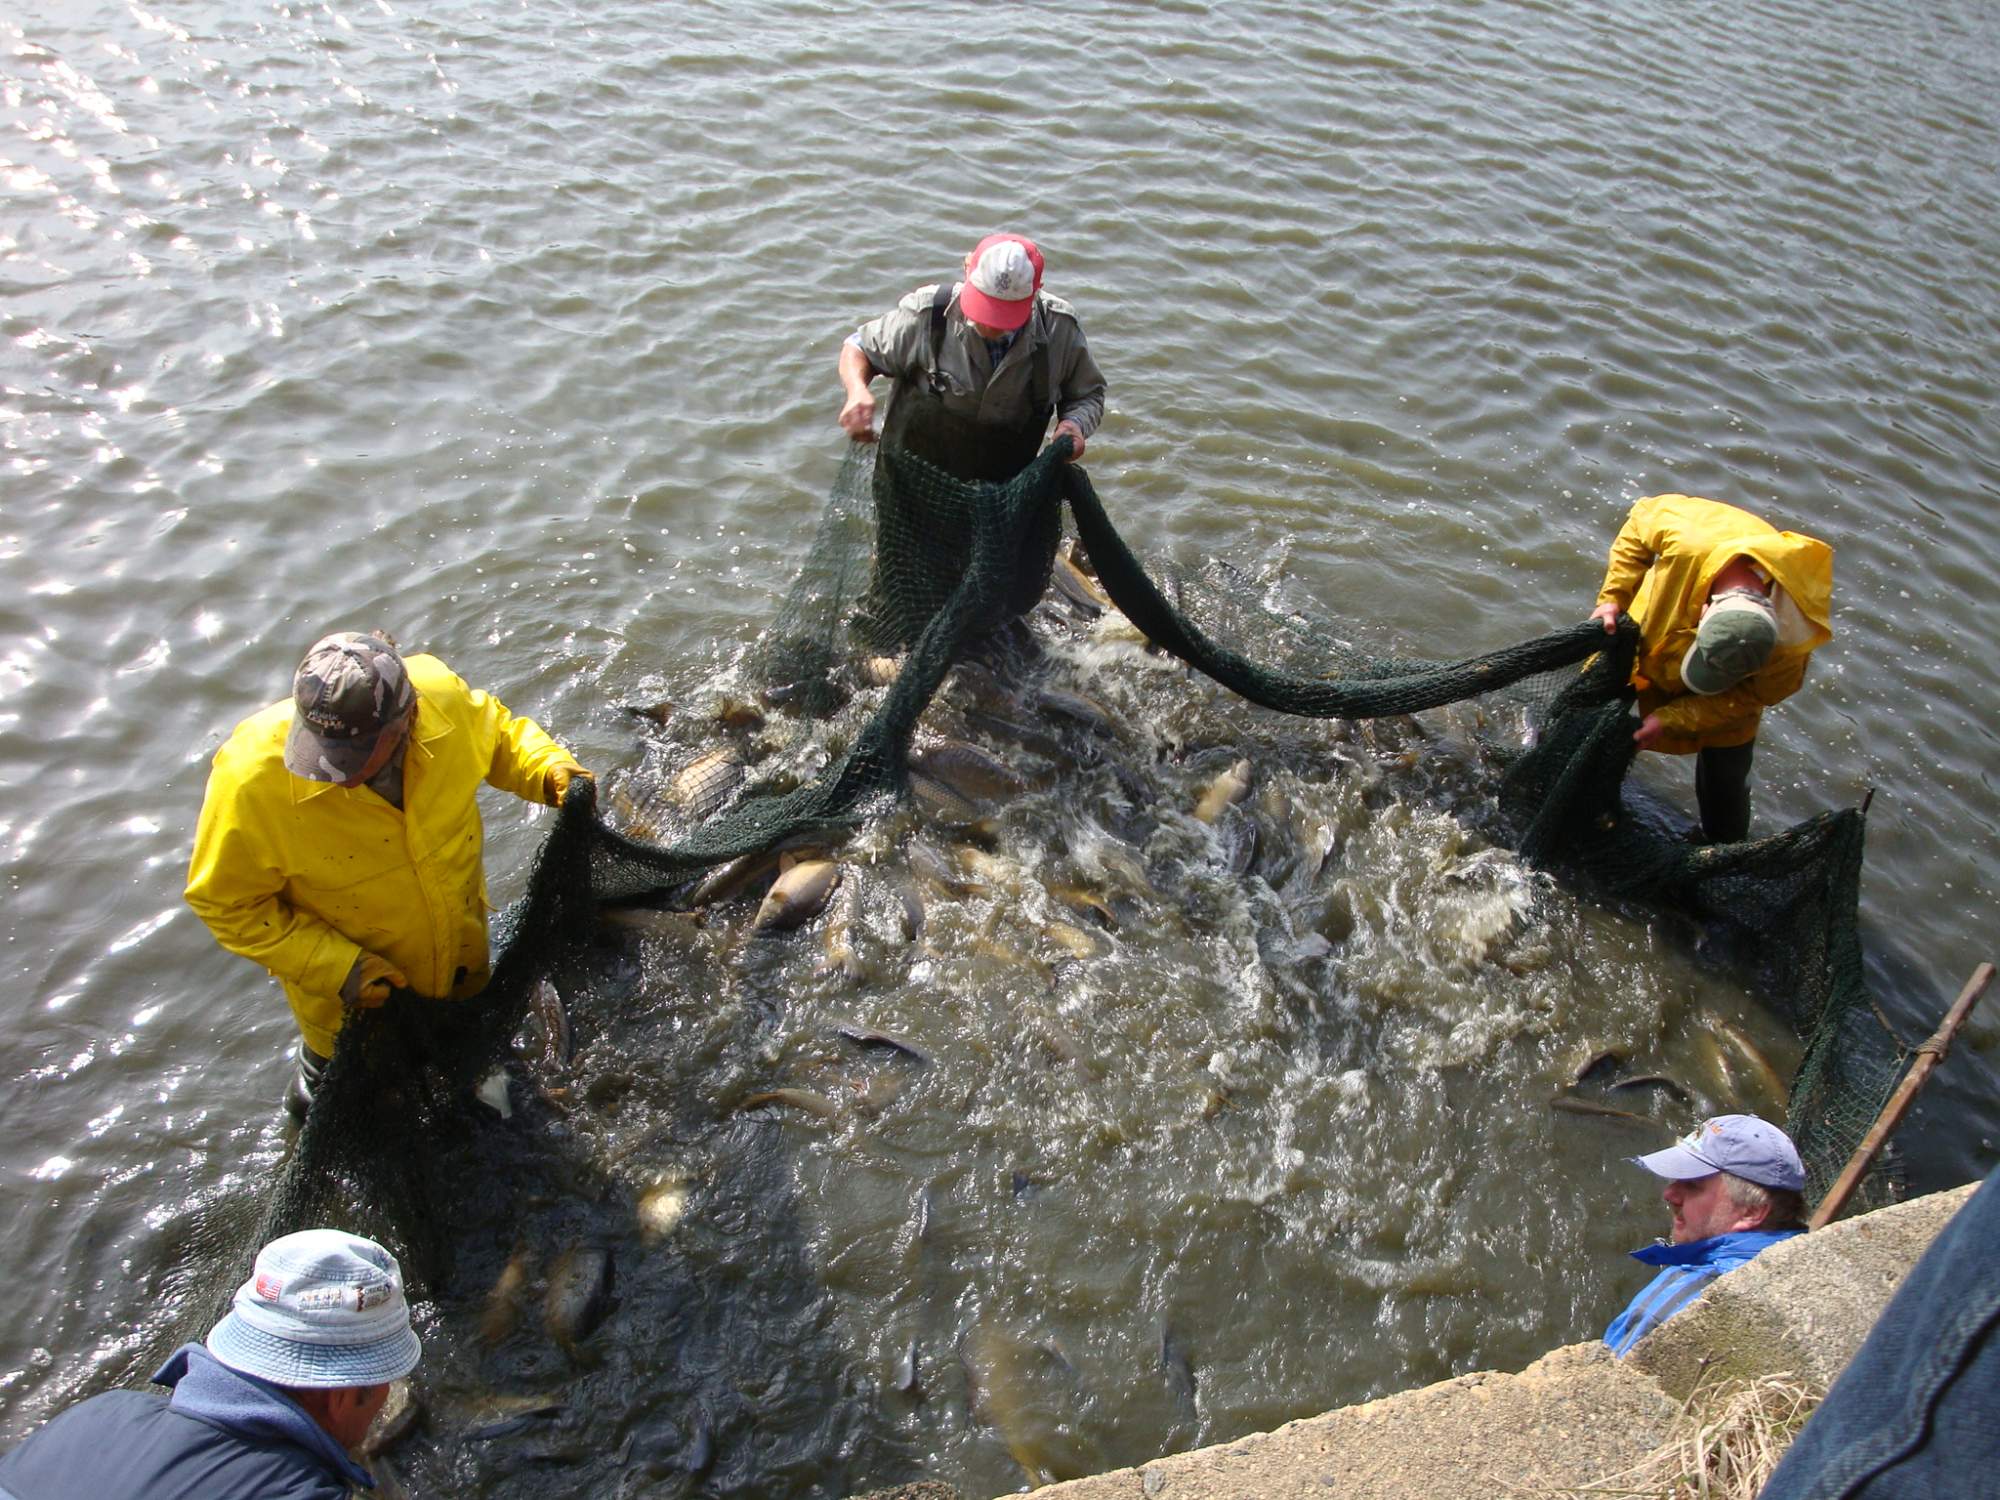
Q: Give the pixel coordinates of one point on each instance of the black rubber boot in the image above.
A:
(305, 1079)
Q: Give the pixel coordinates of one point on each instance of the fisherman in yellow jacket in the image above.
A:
(340, 844)
(1728, 609)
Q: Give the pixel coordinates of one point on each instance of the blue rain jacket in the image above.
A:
(1685, 1272)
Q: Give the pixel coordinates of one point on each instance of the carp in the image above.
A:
(872, 1036)
(653, 921)
(494, 1094)
(1226, 790)
(725, 881)
(1078, 588)
(966, 769)
(501, 1313)
(1658, 1081)
(553, 1017)
(797, 896)
(1748, 1072)
(1079, 899)
(1078, 709)
(1023, 1391)
(1570, 1104)
(399, 1414)
(701, 786)
(662, 1207)
(841, 958)
(1595, 1063)
(1074, 940)
(1115, 626)
(579, 1295)
(947, 807)
(801, 1099)
(905, 1375)
(1179, 1372)
(911, 906)
(982, 871)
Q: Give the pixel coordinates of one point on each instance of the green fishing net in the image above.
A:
(933, 573)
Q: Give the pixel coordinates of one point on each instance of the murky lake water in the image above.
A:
(512, 329)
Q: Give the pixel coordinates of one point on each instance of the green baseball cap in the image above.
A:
(1738, 631)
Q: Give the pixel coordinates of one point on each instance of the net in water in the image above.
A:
(935, 570)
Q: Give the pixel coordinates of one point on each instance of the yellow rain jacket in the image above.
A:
(300, 876)
(1662, 566)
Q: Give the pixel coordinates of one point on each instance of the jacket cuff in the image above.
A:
(328, 965)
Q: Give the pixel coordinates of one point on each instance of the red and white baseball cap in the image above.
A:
(1002, 275)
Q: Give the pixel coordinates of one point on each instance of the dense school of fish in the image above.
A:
(1003, 731)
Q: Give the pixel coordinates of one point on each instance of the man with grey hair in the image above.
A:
(288, 1384)
(1735, 1187)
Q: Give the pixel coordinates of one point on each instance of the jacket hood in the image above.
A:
(210, 1391)
(1802, 564)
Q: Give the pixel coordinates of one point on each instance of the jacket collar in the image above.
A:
(1743, 1244)
(1029, 335)
(425, 731)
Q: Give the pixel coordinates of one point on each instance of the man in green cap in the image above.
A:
(1728, 609)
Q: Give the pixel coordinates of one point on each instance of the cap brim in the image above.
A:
(317, 759)
(313, 1366)
(1697, 678)
(991, 311)
(1676, 1163)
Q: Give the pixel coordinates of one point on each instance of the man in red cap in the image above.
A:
(979, 366)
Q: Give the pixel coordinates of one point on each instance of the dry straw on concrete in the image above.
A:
(1724, 1444)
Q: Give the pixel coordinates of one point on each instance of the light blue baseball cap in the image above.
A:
(1742, 1145)
(322, 1309)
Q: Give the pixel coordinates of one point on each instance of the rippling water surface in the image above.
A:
(512, 329)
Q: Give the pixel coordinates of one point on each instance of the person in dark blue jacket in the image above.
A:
(290, 1380)
(1916, 1413)
(1734, 1186)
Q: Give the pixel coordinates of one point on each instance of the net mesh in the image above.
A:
(911, 560)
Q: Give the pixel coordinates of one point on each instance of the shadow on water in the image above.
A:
(631, 1305)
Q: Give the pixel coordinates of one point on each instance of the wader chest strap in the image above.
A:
(940, 303)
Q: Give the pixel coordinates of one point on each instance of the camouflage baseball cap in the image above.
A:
(350, 690)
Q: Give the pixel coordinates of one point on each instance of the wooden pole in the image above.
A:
(1929, 1055)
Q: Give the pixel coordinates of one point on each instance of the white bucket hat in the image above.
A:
(322, 1309)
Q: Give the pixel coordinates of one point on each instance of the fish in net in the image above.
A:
(928, 573)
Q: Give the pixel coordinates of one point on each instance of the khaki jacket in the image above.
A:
(300, 876)
(1662, 566)
(898, 344)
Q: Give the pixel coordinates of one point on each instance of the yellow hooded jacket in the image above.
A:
(301, 876)
(1662, 566)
